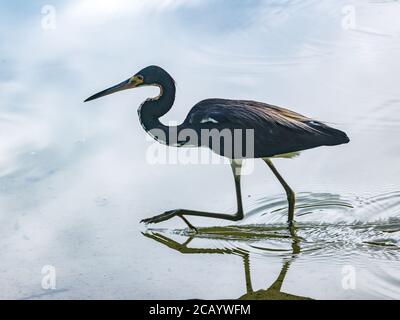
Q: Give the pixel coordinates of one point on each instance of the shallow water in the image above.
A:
(75, 179)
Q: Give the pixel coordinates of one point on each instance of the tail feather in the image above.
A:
(333, 136)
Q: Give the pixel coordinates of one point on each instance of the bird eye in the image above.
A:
(140, 77)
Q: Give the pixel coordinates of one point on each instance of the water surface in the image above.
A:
(75, 180)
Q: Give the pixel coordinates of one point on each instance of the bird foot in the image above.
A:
(168, 215)
(161, 217)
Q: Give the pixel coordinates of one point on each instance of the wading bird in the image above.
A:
(277, 132)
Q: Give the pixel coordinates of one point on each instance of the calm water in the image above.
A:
(75, 179)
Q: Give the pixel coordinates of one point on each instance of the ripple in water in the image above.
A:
(325, 224)
(331, 231)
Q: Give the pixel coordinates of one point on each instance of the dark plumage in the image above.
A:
(276, 132)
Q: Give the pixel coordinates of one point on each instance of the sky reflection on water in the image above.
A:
(75, 182)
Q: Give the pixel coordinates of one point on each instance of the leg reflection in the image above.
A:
(273, 292)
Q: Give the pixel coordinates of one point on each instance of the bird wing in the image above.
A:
(277, 130)
(246, 113)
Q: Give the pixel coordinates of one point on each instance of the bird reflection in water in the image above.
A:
(242, 233)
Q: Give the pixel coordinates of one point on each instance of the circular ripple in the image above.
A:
(325, 223)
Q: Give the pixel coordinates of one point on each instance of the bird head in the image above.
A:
(146, 77)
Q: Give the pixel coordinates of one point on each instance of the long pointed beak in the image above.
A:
(119, 87)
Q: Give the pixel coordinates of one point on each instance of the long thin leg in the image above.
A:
(236, 166)
(247, 273)
(188, 223)
(289, 192)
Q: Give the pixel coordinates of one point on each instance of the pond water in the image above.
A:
(75, 178)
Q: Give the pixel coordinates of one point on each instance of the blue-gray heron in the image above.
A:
(277, 131)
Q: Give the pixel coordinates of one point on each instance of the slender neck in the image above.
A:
(152, 109)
